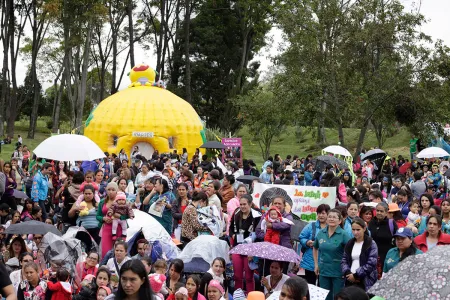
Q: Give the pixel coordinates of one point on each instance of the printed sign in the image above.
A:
(142, 134)
(233, 150)
(302, 200)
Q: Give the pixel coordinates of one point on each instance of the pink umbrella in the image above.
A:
(267, 251)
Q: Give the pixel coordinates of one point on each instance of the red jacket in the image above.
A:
(421, 241)
(61, 290)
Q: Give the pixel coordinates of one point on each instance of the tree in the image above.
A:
(264, 124)
(313, 63)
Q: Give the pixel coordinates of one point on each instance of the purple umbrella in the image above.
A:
(267, 251)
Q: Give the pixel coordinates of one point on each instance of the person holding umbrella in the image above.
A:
(328, 252)
(242, 227)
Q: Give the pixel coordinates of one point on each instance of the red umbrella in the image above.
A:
(405, 167)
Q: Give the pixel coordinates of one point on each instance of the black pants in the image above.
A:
(310, 277)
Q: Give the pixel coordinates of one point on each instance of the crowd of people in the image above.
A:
(382, 215)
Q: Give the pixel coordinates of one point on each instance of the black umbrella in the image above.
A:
(377, 156)
(297, 228)
(322, 161)
(247, 178)
(196, 266)
(213, 145)
(32, 227)
(19, 194)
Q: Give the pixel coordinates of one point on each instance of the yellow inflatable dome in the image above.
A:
(145, 115)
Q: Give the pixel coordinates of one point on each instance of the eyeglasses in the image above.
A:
(333, 217)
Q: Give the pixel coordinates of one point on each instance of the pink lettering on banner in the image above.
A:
(309, 208)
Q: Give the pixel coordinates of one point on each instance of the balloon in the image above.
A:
(147, 116)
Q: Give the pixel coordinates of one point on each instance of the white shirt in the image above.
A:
(356, 253)
(112, 266)
(16, 278)
(280, 284)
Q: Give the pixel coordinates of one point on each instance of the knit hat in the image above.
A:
(239, 295)
(182, 291)
(107, 289)
(156, 282)
(121, 196)
(215, 284)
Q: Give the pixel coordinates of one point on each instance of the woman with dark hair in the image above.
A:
(382, 231)
(359, 264)
(133, 283)
(89, 221)
(162, 193)
(187, 177)
(445, 215)
(17, 247)
(10, 185)
(366, 213)
(117, 164)
(179, 207)
(316, 179)
(184, 156)
(274, 282)
(242, 227)
(193, 286)
(175, 275)
(328, 252)
(425, 204)
(122, 156)
(353, 195)
(143, 176)
(363, 193)
(116, 263)
(36, 214)
(295, 288)
(307, 238)
(32, 287)
(433, 236)
(352, 293)
(27, 208)
(19, 275)
(405, 247)
(189, 224)
(216, 272)
(347, 180)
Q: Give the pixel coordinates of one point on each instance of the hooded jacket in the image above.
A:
(367, 271)
(61, 290)
(282, 227)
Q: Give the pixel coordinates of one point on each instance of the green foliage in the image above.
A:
(264, 124)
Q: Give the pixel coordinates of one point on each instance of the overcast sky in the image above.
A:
(435, 11)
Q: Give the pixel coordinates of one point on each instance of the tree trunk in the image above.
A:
(35, 80)
(187, 21)
(5, 68)
(130, 31)
(57, 108)
(362, 135)
(321, 136)
(83, 82)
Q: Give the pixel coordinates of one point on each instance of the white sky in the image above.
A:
(435, 11)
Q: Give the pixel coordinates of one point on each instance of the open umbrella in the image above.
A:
(68, 147)
(404, 168)
(213, 145)
(267, 250)
(81, 234)
(335, 149)
(207, 247)
(376, 156)
(269, 194)
(247, 178)
(32, 227)
(432, 152)
(322, 161)
(432, 271)
(19, 194)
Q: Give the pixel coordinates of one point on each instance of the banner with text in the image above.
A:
(302, 200)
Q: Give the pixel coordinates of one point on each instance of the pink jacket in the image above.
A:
(231, 207)
(342, 193)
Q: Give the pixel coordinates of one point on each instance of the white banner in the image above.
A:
(303, 200)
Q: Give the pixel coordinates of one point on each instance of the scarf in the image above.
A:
(215, 277)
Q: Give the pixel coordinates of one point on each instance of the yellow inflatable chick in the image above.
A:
(84, 209)
(142, 75)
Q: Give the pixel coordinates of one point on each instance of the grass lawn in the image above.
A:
(285, 143)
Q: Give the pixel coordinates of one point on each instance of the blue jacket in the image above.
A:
(307, 262)
(39, 189)
(308, 178)
(368, 259)
(348, 226)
